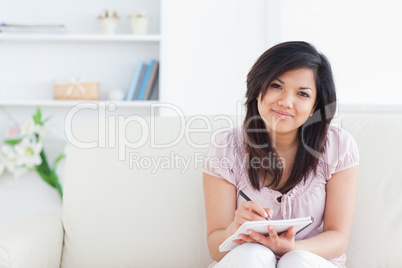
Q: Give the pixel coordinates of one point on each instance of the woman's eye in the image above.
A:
(303, 94)
(275, 85)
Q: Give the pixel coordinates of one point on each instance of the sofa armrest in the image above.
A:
(32, 241)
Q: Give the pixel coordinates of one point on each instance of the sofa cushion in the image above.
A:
(375, 239)
(120, 210)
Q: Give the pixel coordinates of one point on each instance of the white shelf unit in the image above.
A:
(109, 59)
(30, 62)
(79, 37)
(70, 103)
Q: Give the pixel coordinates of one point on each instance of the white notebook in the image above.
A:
(261, 227)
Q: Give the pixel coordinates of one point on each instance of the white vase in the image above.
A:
(139, 25)
(108, 25)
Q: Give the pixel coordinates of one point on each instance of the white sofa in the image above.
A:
(115, 215)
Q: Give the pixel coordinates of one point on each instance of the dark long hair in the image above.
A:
(269, 66)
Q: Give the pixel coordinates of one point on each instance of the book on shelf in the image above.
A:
(139, 82)
(137, 74)
(151, 81)
(32, 28)
(155, 91)
(144, 83)
(145, 80)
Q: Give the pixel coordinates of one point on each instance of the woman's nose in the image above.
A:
(286, 100)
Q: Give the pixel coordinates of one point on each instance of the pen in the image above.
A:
(246, 198)
(244, 195)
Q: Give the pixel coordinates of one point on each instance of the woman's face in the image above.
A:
(289, 101)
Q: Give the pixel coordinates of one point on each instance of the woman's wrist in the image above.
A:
(296, 246)
(231, 229)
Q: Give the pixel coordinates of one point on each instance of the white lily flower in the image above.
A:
(18, 171)
(42, 131)
(8, 153)
(29, 128)
(28, 153)
(9, 160)
(24, 156)
(2, 165)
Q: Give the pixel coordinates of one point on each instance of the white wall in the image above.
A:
(362, 40)
(209, 47)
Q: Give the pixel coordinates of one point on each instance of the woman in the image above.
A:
(289, 160)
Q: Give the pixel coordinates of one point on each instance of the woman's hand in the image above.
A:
(279, 244)
(250, 211)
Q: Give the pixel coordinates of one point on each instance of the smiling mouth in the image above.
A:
(281, 115)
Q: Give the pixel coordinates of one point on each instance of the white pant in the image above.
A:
(256, 255)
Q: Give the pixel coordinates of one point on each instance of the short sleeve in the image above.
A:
(341, 151)
(220, 158)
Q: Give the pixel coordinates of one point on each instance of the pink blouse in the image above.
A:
(227, 160)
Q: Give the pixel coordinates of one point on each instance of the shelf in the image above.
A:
(71, 103)
(79, 37)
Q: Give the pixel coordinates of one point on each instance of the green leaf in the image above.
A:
(49, 175)
(38, 117)
(12, 141)
(43, 168)
(44, 175)
(46, 119)
(56, 183)
(60, 157)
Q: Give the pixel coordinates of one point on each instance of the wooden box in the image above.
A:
(76, 89)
